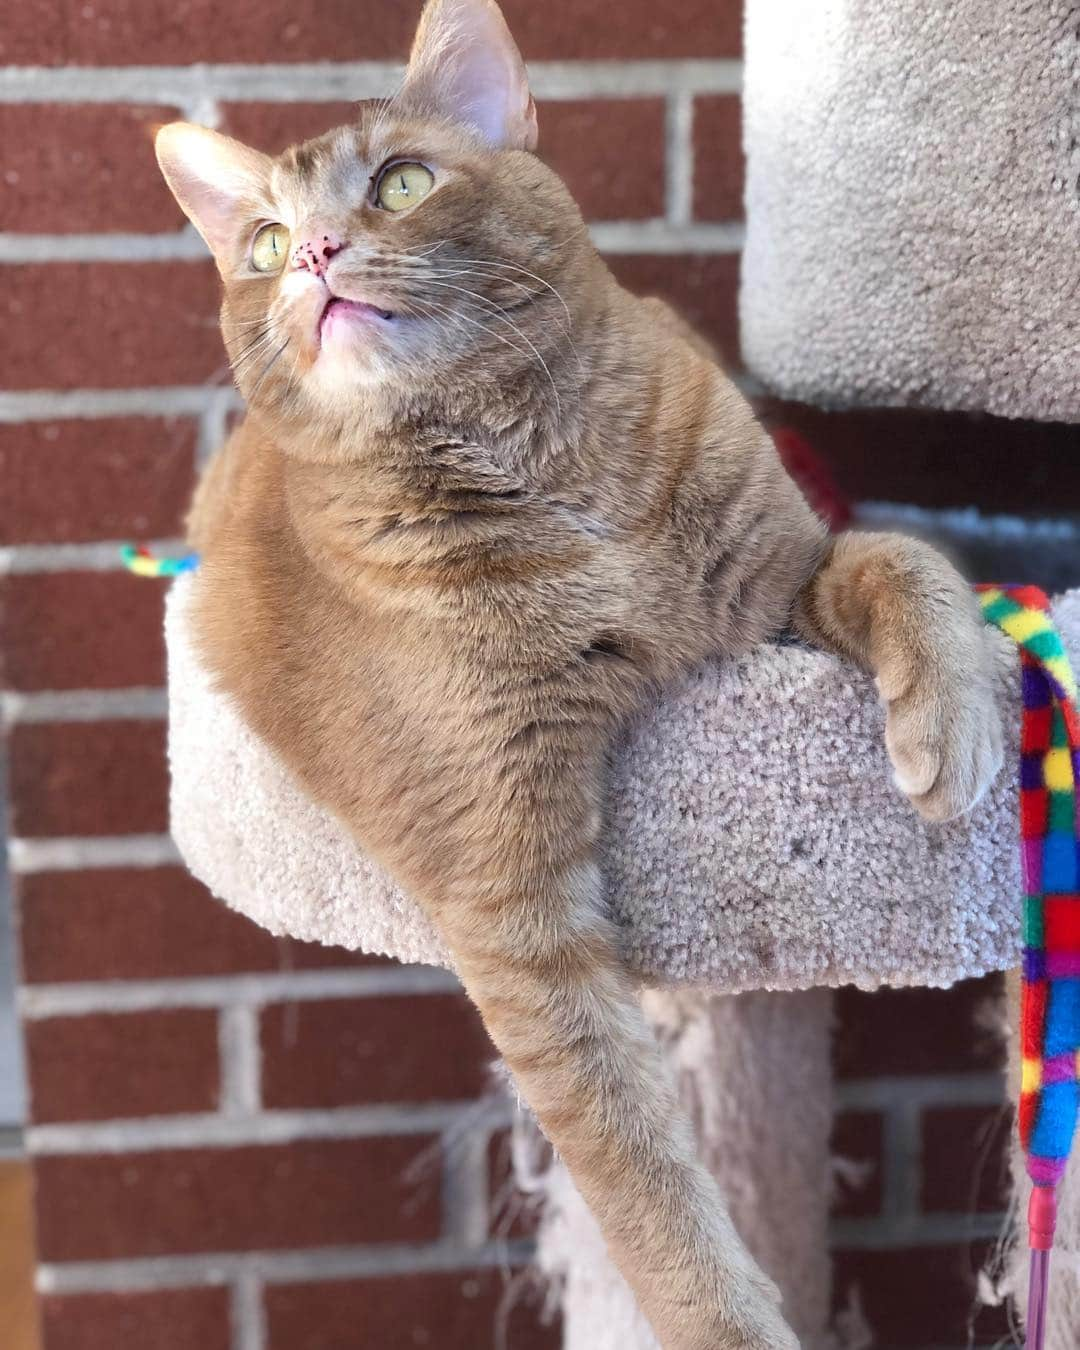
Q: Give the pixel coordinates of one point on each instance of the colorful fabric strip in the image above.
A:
(1050, 863)
(142, 562)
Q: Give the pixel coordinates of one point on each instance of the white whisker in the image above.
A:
(488, 262)
(464, 318)
(267, 369)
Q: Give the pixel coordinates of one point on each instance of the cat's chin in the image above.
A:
(350, 360)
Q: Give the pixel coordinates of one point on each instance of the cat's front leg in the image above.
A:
(898, 608)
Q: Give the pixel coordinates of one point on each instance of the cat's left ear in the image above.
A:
(221, 185)
(464, 65)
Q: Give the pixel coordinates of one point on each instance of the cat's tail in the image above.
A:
(543, 969)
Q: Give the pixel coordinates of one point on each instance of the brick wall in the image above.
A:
(247, 1144)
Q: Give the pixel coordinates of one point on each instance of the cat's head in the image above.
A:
(423, 240)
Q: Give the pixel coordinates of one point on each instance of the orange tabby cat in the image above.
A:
(483, 504)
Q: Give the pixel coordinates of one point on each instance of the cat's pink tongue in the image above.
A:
(344, 316)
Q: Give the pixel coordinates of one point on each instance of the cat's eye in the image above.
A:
(402, 185)
(269, 248)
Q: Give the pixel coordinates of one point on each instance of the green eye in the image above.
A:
(402, 185)
(269, 248)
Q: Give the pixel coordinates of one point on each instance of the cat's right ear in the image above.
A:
(465, 66)
(221, 185)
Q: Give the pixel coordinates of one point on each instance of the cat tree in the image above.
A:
(757, 844)
(913, 230)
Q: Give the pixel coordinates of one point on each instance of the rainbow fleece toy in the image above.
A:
(1050, 868)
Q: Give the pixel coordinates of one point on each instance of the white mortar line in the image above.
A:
(196, 88)
(901, 1149)
(927, 1230)
(633, 79)
(247, 1312)
(658, 236)
(12, 1143)
(672, 235)
(679, 158)
(267, 1128)
(965, 1089)
(183, 245)
(203, 108)
(240, 1056)
(101, 556)
(83, 705)
(199, 87)
(317, 1263)
(37, 405)
(37, 1001)
(75, 854)
(466, 1176)
(970, 522)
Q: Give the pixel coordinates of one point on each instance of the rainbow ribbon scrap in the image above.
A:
(143, 563)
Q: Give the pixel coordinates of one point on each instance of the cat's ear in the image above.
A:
(464, 66)
(221, 185)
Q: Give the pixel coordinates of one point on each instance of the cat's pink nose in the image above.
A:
(313, 254)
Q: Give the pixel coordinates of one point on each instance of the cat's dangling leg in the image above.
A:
(898, 608)
(526, 923)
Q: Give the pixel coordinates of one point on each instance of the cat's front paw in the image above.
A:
(944, 738)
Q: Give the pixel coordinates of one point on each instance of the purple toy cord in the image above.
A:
(1036, 1312)
(1042, 1220)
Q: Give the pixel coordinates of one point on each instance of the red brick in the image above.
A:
(81, 630)
(718, 158)
(445, 1311)
(110, 325)
(104, 148)
(965, 1159)
(610, 154)
(147, 924)
(344, 1052)
(102, 478)
(88, 778)
(703, 288)
(920, 1296)
(160, 1319)
(273, 127)
(108, 1066)
(638, 29)
(858, 1138)
(915, 1031)
(940, 459)
(142, 923)
(153, 32)
(326, 1192)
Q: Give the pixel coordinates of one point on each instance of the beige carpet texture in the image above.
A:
(913, 204)
(755, 841)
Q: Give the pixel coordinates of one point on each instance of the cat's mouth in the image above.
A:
(339, 313)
